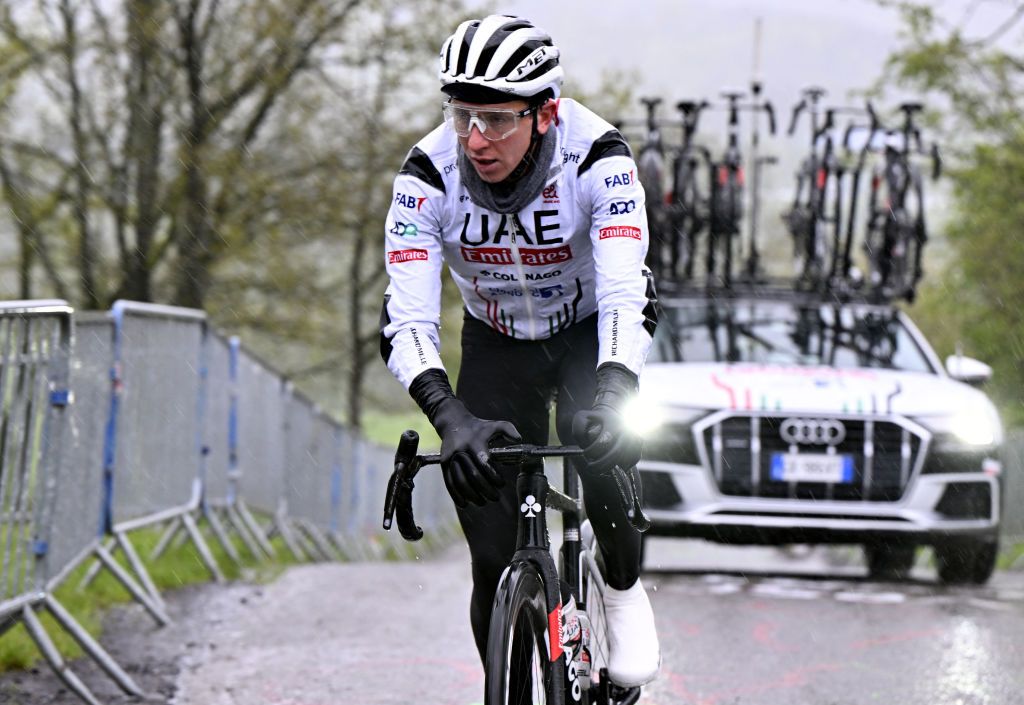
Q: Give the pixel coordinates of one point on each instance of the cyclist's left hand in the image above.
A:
(601, 432)
(605, 440)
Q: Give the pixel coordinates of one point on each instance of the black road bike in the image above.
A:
(548, 635)
(805, 218)
(727, 193)
(652, 173)
(896, 232)
(688, 207)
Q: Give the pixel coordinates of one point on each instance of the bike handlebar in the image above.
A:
(398, 499)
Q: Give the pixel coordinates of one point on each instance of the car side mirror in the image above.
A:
(968, 370)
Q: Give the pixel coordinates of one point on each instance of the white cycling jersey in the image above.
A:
(578, 248)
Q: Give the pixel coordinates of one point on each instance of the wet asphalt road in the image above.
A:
(811, 630)
(738, 627)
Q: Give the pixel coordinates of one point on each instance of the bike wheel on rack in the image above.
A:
(688, 223)
(650, 169)
(602, 691)
(518, 670)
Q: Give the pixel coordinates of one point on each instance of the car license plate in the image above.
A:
(811, 467)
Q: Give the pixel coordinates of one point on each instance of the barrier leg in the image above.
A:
(340, 544)
(138, 567)
(92, 647)
(166, 538)
(251, 535)
(290, 540)
(250, 521)
(322, 546)
(136, 590)
(53, 657)
(94, 569)
(202, 547)
(210, 513)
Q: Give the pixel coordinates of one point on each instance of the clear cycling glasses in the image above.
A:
(493, 123)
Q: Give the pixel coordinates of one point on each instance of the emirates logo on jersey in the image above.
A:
(620, 231)
(399, 256)
(529, 256)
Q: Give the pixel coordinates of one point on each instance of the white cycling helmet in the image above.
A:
(500, 58)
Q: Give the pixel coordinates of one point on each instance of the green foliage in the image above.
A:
(1011, 556)
(386, 428)
(178, 567)
(975, 76)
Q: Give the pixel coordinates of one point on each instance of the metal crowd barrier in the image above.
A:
(145, 417)
(38, 483)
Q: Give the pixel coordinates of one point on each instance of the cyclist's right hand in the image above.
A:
(465, 461)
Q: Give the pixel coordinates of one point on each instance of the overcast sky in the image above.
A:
(694, 48)
(688, 48)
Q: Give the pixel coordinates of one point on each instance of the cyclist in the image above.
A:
(534, 205)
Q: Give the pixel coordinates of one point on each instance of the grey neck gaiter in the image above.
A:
(506, 197)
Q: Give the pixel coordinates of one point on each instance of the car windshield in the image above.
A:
(787, 333)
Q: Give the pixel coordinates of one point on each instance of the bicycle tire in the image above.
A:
(518, 667)
(602, 690)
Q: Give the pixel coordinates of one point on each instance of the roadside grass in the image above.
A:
(179, 566)
(386, 429)
(1012, 557)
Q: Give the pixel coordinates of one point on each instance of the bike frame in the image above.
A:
(685, 197)
(651, 169)
(533, 546)
(900, 177)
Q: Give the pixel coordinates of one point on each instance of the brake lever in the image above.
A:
(629, 494)
(400, 486)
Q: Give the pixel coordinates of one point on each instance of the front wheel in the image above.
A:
(518, 670)
(889, 562)
(964, 561)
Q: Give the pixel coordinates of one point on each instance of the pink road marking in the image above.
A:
(764, 634)
(894, 638)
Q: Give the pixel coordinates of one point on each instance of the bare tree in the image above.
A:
(229, 154)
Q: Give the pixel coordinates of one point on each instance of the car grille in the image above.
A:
(885, 455)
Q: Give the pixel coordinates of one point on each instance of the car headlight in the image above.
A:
(644, 416)
(975, 427)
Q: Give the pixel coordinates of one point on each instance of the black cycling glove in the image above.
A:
(601, 431)
(465, 462)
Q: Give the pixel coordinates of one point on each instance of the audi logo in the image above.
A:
(812, 431)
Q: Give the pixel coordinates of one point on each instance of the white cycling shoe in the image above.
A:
(634, 654)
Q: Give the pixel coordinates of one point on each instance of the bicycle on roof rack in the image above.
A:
(727, 190)
(824, 262)
(804, 219)
(652, 172)
(548, 638)
(842, 268)
(896, 230)
(688, 207)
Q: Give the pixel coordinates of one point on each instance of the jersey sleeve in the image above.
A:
(625, 288)
(411, 316)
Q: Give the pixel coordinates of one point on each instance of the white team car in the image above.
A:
(773, 417)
